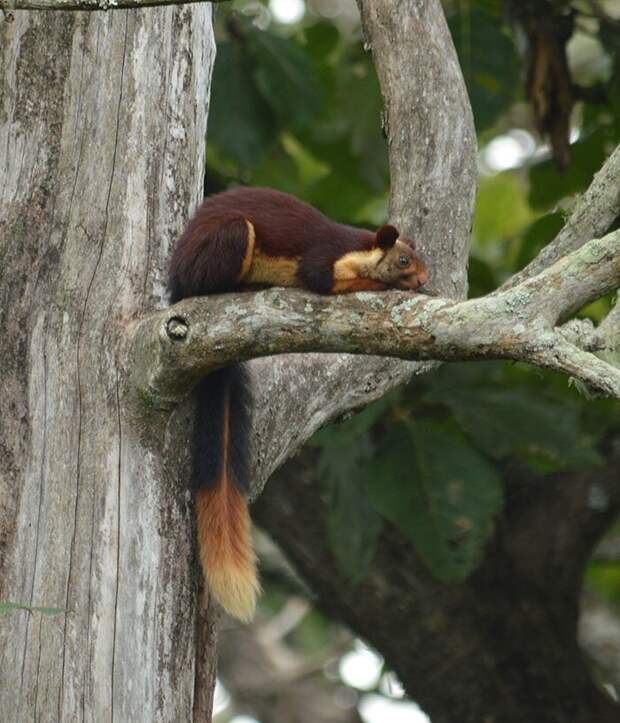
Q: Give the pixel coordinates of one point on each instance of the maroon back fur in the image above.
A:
(284, 225)
(207, 257)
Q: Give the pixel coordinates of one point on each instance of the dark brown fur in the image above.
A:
(208, 256)
(230, 237)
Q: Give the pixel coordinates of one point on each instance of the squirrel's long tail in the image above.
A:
(221, 477)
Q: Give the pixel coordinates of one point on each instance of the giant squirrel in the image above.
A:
(252, 237)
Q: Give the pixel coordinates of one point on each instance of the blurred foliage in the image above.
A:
(492, 78)
(604, 578)
(298, 107)
(300, 112)
(603, 575)
(435, 453)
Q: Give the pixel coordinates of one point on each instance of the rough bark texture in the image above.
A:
(94, 520)
(102, 130)
(102, 148)
(430, 131)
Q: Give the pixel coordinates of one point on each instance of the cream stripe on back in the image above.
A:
(249, 251)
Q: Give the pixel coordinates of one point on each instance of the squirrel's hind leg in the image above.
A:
(212, 256)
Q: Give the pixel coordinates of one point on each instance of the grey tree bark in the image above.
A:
(102, 138)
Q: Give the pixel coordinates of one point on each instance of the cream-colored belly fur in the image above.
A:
(357, 264)
(272, 270)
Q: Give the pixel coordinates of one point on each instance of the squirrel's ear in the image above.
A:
(386, 236)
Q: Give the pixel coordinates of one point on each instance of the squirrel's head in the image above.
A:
(400, 265)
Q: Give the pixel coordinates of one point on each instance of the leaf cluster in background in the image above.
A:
(492, 78)
(299, 108)
(430, 459)
(520, 210)
(353, 524)
(439, 491)
(300, 112)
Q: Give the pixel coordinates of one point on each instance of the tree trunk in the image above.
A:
(102, 131)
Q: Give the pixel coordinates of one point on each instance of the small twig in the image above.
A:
(600, 377)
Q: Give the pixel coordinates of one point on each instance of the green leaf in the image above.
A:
(501, 212)
(309, 168)
(48, 611)
(545, 431)
(278, 170)
(286, 78)
(241, 124)
(354, 429)
(537, 236)
(489, 62)
(548, 185)
(482, 279)
(359, 96)
(440, 492)
(320, 40)
(604, 577)
(340, 195)
(353, 524)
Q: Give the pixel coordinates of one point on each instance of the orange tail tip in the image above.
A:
(225, 544)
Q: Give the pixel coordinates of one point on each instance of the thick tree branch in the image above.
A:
(102, 138)
(175, 347)
(437, 180)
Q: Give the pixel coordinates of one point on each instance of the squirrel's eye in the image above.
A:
(403, 261)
